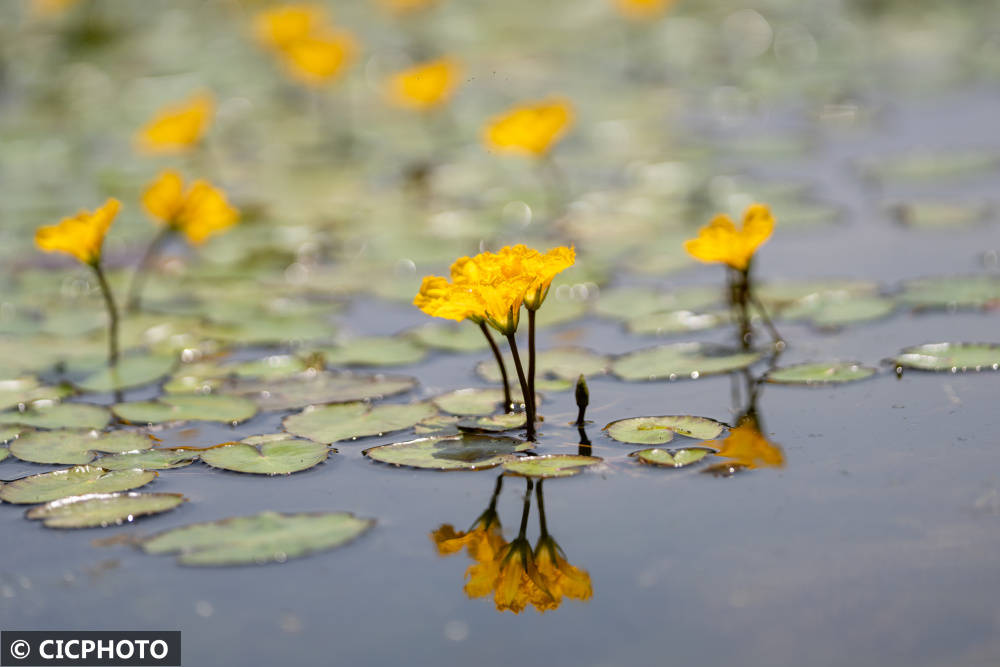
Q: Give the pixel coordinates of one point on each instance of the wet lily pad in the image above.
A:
(952, 292)
(494, 423)
(4, 453)
(59, 415)
(8, 433)
(626, 303)
(672, 458)
(187, 407)
(272, 330)
(462, 452)
(319, 388)
(274, 366)
(27, 390)
(674, 322)
(681, 360)
(132, 371)
(346, 421)
(556, 312)
(820, 373)
(951, 357)
(659, 430)
(279, 457)
(150, 459)
(375, 351)
(75, 447)
(103, 509)
(840, 310)
(459, 337)
(75, 481)
(558, 363)
(550, 465)
(268, 537)
(476, 402)
(940, 215)
(920, 166)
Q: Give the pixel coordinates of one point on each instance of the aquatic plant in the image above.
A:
(425, 86)
(177, 128)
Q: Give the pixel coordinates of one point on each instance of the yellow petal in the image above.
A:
(177, 127)
(424, 86)
(531, 128)
(280, 26)
(81, 235)
(164, 197)
(643, 9)
(320, 58)
(205, 212)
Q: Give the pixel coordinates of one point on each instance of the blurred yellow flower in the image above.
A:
(746, 446)
(280, 26)
(406, 6)
(559, 577)
(198, 213)
(81, 235)
(643, 9)
(321, 57)
(425, 86)
(720, 241)
(176, 128)
(47, 8)
(530, 129)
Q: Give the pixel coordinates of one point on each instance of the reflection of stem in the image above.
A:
(779, 342)
(133, 301)
(542, 525)
(496, 492)
(508, 405)
(529, 408)
(109, 302)
(555, 186)
(530, 396)
(585, 448)
(527, 509)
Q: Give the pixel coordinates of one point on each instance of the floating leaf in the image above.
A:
(150, 459)
(59, 415)
(375, 351)
(560, 311)
(936, 166)
(672, 458)
(4, 453)
(274, 366)
(837, 312)
(550, 465)
(279, 457)
(272, 329)
(187, 407)
(659, 430)
(76, 481)
(462, 452)
(820, 373)
(625, 303)
(131, 371)
(103, 509)
(268, 537)
(494, 423)
(558, 363)
(75, 447)
(453, 337)
(674, 322)
(940, 214)
(27, 390)
(951, 357)
(8, 433)
(332, 423)
(952, 292)
(476, 402)
(319, 388)
(681, 360)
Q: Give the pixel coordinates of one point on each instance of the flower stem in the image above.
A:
(739, 293)
(542, 525)
(134, 299)
(779, 342)
(530, 396)
(508, 405)
(528, 407)
(527, 509)
(109, 302)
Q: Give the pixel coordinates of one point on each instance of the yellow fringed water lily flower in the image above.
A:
(425, 86)
(198, 212)
(280, 26)
(561, 579)
(720, 240)
(643, 10)
(177, 128)
(519, 582)
(543, 269)
(81, 235)
(320, 58)
(746, 446)
(530, 129)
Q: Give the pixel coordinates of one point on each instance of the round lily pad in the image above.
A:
(659, 430)
(820, 373)
(132, 371)
(475, 402)
(8, 433)
(270, 458)
(75, 481)
(27, 390)
(672, 458)
(319, 388)
(375, 351)
(268, 537)
(103, 509)
(951, 357)
(150, 459)
(187, 407)
(559, 363)
(625, 303)
(494, 423)
(462, 452)
(550, 465)
(274, 366)
(674, 322)
(681, 360)
(458, 337)
(952, 292)
(75, 447)
(346, 421)
(839, 312)
(59, 415)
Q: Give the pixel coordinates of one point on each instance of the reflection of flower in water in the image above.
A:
(560, 577)
(747, 447)
(519, 582)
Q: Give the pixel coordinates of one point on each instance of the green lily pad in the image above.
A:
(820, 373)
(375, 351)
(461, 452)
(59, 415)
(75, 447)
(103, 509)
(75, 481)
(659, 430)
(921, 166)
(555, 312)
(4, 453)
(319, 388)
(550, 465)
(940, 215)
(837, 312)
(626, 303)
(268, 537)
(672, 458)
(272, 330)
(781, 295)
(952, 292)
(8, 433)
(457, 337)
(681, 360)
(274, 366)
(558, 363)
(674, 322)
(476, 402)
(187, 407)
(133, 371)
(150, 459)
(494, 423)
(438, 425)
(279, 457)
(27, 390)
(346, 421)
(951, 357)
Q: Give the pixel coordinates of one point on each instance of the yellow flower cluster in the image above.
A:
(492, 287)
(530, 129)
(198, 212)
(311, 49)
(720, 240)
(424, 87)
(177, 128)
(81, 235)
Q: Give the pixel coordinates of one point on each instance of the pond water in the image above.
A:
(874, 542)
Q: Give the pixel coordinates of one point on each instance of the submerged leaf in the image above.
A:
(332, 423)
(103, 509)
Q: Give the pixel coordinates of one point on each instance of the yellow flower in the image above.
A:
(81, 235)
(530, 129)
(560, 578)
(518, 582)
(439, 298)
(198, 213)
(320, 57)
(542, 269)
(747, 446)
(178, 127)
(406, 6)
(643, 9)
(280, 26)
(424, 86)
(720, 241)
(51, 7)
